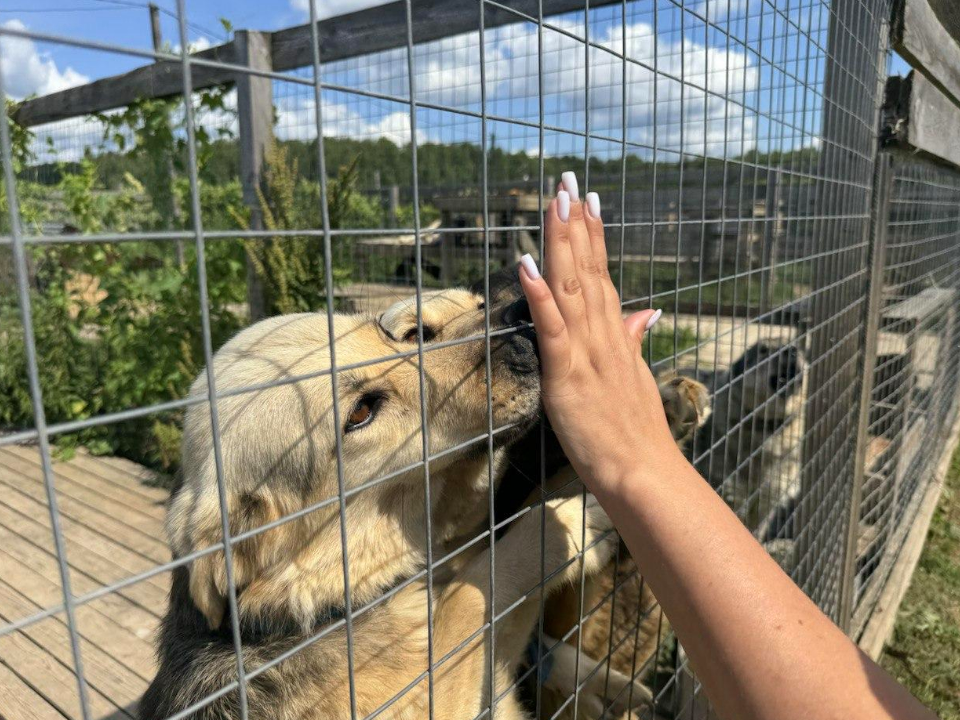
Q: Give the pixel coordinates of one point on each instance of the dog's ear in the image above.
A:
(208, 574)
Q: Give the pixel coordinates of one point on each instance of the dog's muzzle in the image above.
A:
(520, 346)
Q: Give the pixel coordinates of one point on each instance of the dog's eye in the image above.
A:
(363, 412)
(411, 336)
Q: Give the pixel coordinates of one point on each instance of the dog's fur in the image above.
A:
(747, 448)
(623, 620)
(278, 452)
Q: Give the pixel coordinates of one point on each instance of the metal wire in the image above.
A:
(734, 146)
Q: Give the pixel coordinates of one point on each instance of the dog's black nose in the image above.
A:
(517, 312)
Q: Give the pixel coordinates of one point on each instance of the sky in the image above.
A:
(754, 78)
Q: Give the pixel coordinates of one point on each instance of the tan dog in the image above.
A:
(279, 450)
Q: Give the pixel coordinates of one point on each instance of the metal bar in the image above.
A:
(334, 389)
(883, 186)
(208, 355)
(36, 397)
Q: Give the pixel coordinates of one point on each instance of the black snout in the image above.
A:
(517, 312)
(520, 345)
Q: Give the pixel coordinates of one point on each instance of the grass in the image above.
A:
(924, 653)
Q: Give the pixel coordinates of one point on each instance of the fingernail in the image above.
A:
(530, 267)
(570, 185)
(593, 205)
(653, 319)
(563, 205)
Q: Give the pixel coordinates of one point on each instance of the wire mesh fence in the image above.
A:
(915, 381)
(245, 280)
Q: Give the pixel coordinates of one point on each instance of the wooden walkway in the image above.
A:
(112, 523)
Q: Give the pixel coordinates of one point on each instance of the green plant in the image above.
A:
(291, 268)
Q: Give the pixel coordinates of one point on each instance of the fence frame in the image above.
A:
(253, 59)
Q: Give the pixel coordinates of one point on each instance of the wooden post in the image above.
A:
(155, 27)
(255, 115)
(880, 218)
(393, 205)
(772, 226)
(173, 206)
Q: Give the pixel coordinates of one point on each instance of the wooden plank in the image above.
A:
(345, 36)
(918, 116)
(150, 595)
(948, 13)
(157, 80)
(384, 27)
(883, 617)
(923, 41)
(53, 680)
(69, 473)
(145, 481)
(138, 621)
(102, 671)
(85, 505)
(85, 538)
(97, 621)
(20, 702)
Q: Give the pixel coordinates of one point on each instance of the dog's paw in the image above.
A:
(597, 540)
(686, 403)
(604, 692)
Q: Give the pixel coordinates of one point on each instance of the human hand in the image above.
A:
(599, 394)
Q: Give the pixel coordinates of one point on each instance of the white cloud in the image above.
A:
(27, 71)
(296, 120)
(197, 45)
(330, 8)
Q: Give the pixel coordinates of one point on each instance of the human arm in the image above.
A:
(760, 647)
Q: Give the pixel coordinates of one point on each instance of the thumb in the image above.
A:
(638, 323)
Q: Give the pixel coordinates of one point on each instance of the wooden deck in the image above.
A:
(112, 522)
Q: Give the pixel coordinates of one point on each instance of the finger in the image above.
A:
(552, 337)
(589, 271)
(561, 271)
(638, 324)
(594, 224)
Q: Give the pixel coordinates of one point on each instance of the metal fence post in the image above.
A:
(871, 325)
(255, 116)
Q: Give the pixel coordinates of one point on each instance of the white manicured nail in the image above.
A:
(593, 205)
(530, 267)
(653, 319)
(563, 205)
(570, 185)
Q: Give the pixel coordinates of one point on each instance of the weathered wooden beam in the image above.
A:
(919, 34)
(359, 33)
(160, 79)
(385, 27)
(918, 116)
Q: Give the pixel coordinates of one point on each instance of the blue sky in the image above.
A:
(750, 101)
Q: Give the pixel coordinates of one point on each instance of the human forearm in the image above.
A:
(760, 647)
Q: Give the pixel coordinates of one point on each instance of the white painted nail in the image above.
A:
(593, 205)
(563, 205)
(530, 267)
(653, 319)
(570, 185)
